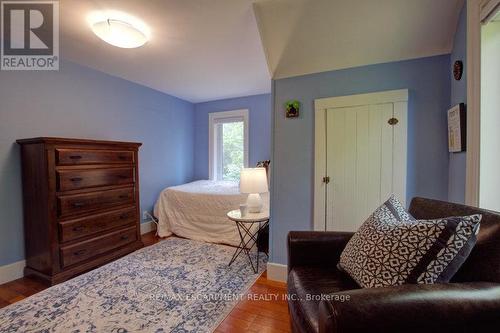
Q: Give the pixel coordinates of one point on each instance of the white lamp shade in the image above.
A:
(253, 180)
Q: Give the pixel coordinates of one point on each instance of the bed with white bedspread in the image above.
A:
(198, 211)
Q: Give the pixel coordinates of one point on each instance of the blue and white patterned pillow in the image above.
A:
(392, 248)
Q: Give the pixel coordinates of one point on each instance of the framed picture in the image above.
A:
(457, 129)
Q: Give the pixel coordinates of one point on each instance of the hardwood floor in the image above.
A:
(260, 313)
(263, 310)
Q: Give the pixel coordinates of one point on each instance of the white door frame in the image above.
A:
(477, 12)
(400, 100)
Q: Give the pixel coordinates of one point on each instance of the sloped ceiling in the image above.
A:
(308, 36)
(199, 49)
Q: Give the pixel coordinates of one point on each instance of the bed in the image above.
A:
(198, 211)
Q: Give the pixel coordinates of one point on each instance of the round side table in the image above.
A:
(248, 237)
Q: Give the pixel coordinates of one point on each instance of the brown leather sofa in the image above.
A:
(469, 303)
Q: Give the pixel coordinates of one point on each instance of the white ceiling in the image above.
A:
(204, 50)
(308, 36)
(200, 49)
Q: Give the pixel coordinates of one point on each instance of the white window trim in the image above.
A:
(216, 117)
(477, 12)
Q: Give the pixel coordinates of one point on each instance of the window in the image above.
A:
(228, 144)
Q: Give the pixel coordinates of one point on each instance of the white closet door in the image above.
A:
(360, 163)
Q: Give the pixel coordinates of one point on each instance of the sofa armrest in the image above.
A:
(452, 307)
(315, 248)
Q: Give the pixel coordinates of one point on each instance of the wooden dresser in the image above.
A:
(81, 204)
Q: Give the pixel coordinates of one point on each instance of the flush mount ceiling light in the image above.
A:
(119, 29)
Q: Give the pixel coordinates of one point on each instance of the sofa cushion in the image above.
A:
(388, 250)
(306, 285)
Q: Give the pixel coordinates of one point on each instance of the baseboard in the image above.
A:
(12, 271)
(147, 227)
(277, 272)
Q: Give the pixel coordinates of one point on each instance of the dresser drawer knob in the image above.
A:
(123, 196)
(75, 157)
(78, 228)
(78, 204)
(123, 177)
(122, 157)
(123, 216)
(79, 253)
(124, 237)
(76, 179)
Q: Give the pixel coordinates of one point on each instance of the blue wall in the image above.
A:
(456, 188)
(79, 102)
(259, 107)
(428, 81)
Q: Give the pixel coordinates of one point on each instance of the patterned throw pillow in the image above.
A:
(392, 248)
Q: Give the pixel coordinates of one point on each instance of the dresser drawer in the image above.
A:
(83, 156)
(74, 229)
(81, 203)
(81, 251)
(77, 179)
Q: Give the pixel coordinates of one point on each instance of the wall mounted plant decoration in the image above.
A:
(292, 108)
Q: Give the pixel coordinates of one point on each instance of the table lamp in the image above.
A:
(253, 181)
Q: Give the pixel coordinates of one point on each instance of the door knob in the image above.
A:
(393, 121)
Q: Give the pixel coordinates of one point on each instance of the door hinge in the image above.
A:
(326, 179)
